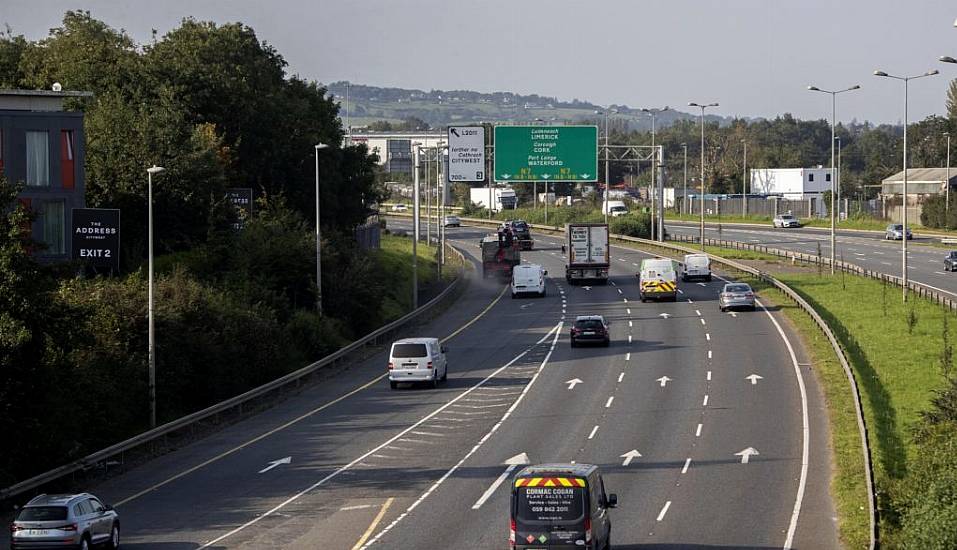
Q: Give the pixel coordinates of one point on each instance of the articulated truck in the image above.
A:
(588, 252)
(502, 198)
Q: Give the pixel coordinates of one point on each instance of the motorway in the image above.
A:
(668, 411)
(865, 249)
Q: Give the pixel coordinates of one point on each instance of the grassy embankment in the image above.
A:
(895, 351)
(394, 258)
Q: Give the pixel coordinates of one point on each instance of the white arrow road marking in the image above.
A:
(664, 380)
(733, 314)
(746, 454)
(702, 284)
(753, 378)
(275, 463)
(586, 287)
(526, 306)
(664, 315)
(629, 456)
(520, 459)
(573, 382)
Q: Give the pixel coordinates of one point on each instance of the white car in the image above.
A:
(417, 360)
(453, 221)
(528, 279)
(400, 208)
(786, 220)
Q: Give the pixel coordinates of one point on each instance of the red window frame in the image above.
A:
(67, 159)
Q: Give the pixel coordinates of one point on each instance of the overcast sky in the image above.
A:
(754, 57)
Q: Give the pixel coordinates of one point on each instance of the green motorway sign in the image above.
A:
(546, 153)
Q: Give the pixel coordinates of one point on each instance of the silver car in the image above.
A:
(736, 295)
(785, 220)
(895, 232)
(65, 521)
(453, 221)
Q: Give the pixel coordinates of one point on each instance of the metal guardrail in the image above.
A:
(101, 456)
(917, 288)
(818, 320)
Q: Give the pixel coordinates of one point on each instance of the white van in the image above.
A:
(696, 266)
(417, 360)
(528, 279)
(615, 208)
(657, 280)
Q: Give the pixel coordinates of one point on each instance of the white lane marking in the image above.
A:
(620, 292)
(608, 403)
(690, 301)
(940, 273)
(685, 469)
(634, 264)
(698, 312)
(806, 449)
(593, 432)
(709, 354)
(707, 336)
(612, 283)
(621, 377)
(428, 433)
(628, 310)
(627, 358)
(625, 299)
(680, 291)
(697, 432)
(885, 263)
(630, 324)
(664, 510)
(702, 321)
(629, 338)
(358, 507)
(398, 437)
(709, 375)
(408, 440)
(705, 402)
(514, 462)
(453, 469)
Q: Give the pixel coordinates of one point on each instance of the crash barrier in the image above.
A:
(919, 289)
(804, 305)
(106, 457)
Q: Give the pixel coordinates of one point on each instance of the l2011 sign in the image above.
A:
(546, 153)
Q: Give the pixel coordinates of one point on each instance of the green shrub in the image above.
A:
(632, 225)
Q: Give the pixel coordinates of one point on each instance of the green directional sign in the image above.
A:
(546, 153)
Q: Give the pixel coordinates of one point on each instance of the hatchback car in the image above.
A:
(785, 220)
(453, 221)
(400, 208)
(590, 329)
(895, 232)
(950, 261)
(65, 521)
(736, 295)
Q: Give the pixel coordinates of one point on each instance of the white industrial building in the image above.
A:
(395, 148)
(791, 183)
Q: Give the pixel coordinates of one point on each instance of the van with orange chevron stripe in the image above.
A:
(560, 506)
(658, 280)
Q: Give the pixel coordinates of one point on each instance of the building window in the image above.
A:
(810, 177)
(51, 216)
(67, 162)
(827, 177)
(38, 159)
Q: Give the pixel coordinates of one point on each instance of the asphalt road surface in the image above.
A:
(349, 463)
(867, 250)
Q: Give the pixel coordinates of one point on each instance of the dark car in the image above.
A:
(950, 261)
(65, 521)
(560, 506)
(590, 329)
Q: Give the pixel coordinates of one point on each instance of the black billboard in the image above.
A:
(242, 200)
(96, 238)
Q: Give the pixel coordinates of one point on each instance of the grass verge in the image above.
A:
(395, 255)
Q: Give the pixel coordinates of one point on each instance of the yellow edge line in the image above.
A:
(295, 420)
(365, 536)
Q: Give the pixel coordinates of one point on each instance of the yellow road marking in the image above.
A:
(375, 522)
(294, 420)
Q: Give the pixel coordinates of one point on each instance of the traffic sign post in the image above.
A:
(466, 153)
(546, 153)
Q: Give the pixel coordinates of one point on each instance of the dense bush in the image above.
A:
(936, 214)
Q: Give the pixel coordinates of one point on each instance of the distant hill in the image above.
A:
(367, 104)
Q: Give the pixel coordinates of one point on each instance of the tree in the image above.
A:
(11, 50)
(952, 100)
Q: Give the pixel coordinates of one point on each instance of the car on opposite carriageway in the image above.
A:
(785, 220)
(950, 261)
(560, 506)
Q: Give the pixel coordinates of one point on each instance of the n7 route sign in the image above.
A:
(546, 153)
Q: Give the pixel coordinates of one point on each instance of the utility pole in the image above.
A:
(415, 225)
(701, 203)
(684, 197)
(744, 181)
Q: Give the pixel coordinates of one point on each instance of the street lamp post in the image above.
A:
(440, 183)
(605, 198)
(319, 146)
(837, 184)
(833, 177)
(655, 180)
(684, 196)
(415, 224)
(947, 184)
(702, 106)
(744, 181)
(906, 80)
(152, 333)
